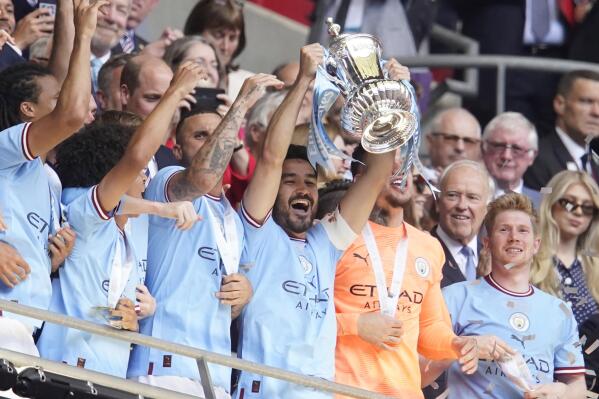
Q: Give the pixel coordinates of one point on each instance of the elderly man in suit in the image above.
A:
(510, 145)
(465, 191)
(577, 107)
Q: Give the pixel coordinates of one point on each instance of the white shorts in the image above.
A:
(182, 385)
(15, 336)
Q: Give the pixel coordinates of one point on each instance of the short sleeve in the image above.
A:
(568, 358)
(86, 215)
(14, 147)
(338, 231)
(257, 235)
(158, 188)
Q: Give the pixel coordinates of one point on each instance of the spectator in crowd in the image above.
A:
(144, 80)
(299, 332)
(386, 20)
(454, 134)
(108, 94)
(221, 22)
(131, 41)
(525, 319)
(16, 38)
(577, 107)
(30, 94)
(96, 172)
(40, 50)
(418, 211)
(35, 25)
(199, 49)
(288, 73)
(533, 28)
(206, 152)
(112, 23)
(567, 264)
(510, 145)
(379, 335)
(330, 195)
(465, 193)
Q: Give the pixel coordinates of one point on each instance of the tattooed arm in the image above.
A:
(209, 163)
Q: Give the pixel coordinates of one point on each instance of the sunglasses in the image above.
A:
(571, 207)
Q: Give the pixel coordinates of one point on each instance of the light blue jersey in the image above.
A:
(538, 325)
(84, 283)
(139, 233)
(184, 272)
(290, 321)
(25, 204)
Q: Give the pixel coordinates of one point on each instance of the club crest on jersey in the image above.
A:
(519, 322)
(306, 265)
(422, 267)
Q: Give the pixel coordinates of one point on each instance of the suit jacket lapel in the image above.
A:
(451, 270)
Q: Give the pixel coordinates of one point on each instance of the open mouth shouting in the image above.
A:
(301, 206)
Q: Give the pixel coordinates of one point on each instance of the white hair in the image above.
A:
(512, 121)
(437, 121)
(479, 167)
(259, 113)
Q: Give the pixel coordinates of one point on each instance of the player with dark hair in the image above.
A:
(101, 271)
(290, 322)
(29, 94)
(204, 260)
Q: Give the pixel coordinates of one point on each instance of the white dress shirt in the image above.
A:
(500, 191)
(455, 249)
(575, 150)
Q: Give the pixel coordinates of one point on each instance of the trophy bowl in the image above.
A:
(379, 113)
(377, 109)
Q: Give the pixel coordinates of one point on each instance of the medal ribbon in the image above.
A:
(388, 297)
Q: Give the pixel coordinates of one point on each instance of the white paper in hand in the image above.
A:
(515, 368)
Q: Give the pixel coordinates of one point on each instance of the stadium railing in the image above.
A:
(202, 357)
(471, 61)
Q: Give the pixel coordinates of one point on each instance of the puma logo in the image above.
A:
(523, 339)
(365, 259)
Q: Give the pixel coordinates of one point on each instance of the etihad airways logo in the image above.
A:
(309, 299)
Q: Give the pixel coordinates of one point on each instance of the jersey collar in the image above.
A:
(489, 279)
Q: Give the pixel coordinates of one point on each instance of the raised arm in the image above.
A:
(147, 138)
(356, 205)
(261, 193)
(62, 42)
(73, 102)
(208, 165)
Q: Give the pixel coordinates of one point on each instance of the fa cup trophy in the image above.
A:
(377, 109)
(381, 112)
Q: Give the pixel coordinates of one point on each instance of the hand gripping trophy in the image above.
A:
(382, 112)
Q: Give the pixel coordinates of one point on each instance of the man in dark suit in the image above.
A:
(131, 41)
(577, 107)
(465, 192)
(509, 147)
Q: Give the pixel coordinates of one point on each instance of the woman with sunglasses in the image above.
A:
(567, 264)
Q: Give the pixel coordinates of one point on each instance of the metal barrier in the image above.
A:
(499, 62)
(202, 357)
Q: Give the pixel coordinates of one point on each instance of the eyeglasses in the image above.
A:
(454, 139)
(499, 148)
(571, 206)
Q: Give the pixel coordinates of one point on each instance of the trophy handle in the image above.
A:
(331, 69)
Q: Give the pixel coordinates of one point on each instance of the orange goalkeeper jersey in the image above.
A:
(426, 323)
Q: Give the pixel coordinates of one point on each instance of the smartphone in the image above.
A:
(51, 5)
(206, 98)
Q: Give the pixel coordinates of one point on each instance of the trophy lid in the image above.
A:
(339, 41)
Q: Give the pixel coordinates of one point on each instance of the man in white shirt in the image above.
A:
(465, 192)
(510, 146)
(112, 23)
(577, 107)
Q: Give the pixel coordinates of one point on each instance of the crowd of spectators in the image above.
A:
(158, 187)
